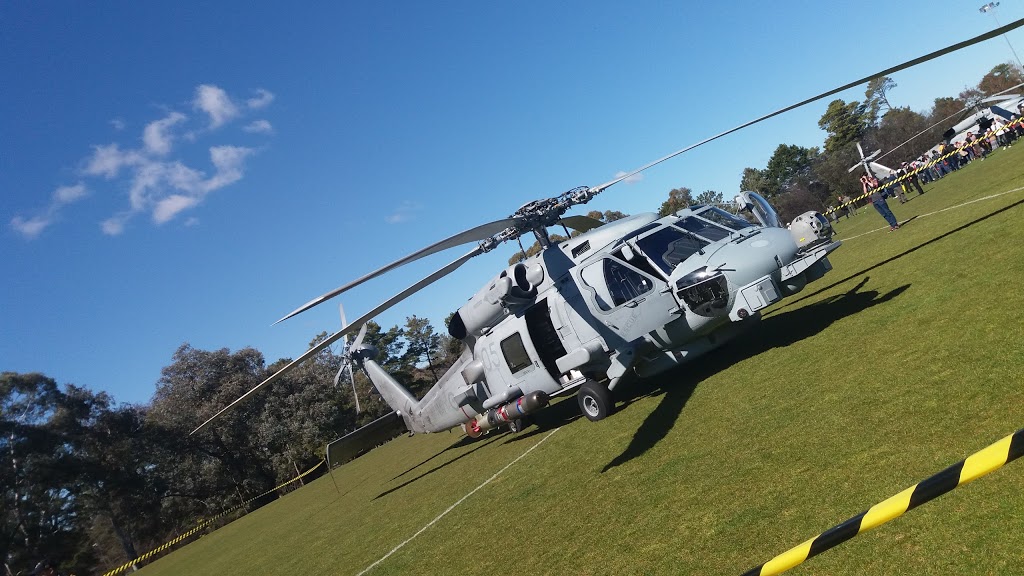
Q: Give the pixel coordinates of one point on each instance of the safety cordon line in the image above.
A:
(203, 524)
(946, 209)
(975, 466)
(925, 166)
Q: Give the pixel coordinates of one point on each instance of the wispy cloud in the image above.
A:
(404, 212)
(157, 137)
(165, 189)
(216, 103)
(30, 227)
(68, 194)
(61, 197)
(259, 127)
(107, 161)
(262, 99)
(155, 180)
(632, 179)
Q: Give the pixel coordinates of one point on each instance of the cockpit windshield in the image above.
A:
(703, 228)
(668, 247)
(723, 218)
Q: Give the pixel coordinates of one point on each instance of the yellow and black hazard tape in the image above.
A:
(975, 466)
(914, 173)
(203, 524)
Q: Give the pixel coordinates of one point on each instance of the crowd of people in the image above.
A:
(931, 166)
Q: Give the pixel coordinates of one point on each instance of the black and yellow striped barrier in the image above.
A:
(203, 524)
(975, 466)
(913, 174)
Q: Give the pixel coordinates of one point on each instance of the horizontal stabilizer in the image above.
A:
(355, 443)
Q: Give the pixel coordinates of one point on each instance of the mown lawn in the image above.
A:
(906, 358)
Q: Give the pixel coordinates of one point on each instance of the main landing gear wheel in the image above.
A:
(595, 400)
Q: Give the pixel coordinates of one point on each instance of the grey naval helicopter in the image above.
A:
(622, 300)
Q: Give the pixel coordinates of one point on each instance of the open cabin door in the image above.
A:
(760, 207)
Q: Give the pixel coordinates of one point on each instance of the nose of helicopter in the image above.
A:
(712, 288)
(756, 255)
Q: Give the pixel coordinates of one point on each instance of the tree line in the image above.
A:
(90, 484)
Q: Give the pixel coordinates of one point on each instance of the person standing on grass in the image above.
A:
(870, 184)
(909, 175)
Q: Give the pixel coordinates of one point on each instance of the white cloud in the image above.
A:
(405, 211)
(170, 206)
(107, 161)
(68, 194)
(156, 137)
(114, 225)
(165, 189)
(147, 177)
(31, 227)
(216, 103)
(262, 99)
(182, 177)
(157, 183)
(191, 221)
(632, 179)
(229, 161)
(259, 127)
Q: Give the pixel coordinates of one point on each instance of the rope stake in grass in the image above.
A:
(975, 466)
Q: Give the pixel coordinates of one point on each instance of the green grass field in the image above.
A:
(903, 360)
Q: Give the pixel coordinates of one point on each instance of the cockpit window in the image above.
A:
(668, 247)
(702, 228)
(615, 283)
(723, 218)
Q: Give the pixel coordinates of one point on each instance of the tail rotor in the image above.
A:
(346, 362)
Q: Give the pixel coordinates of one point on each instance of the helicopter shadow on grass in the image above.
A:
(461, 442)
(677, 385)
(777, 330)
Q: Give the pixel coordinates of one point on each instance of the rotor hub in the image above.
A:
(538, 215)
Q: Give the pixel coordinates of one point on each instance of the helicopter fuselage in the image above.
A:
(632, 298)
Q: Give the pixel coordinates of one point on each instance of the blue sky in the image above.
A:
(179, 172)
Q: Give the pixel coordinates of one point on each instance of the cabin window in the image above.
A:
(668, 247)
(515, 353)
(624, 283)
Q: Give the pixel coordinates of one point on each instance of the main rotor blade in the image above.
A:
(288, 368)
(581, 223)
(440, 273)
(464, 237)
(361, 322)
(931, 56)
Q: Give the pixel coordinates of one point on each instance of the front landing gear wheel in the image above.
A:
(518, 425)
(595, 400)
